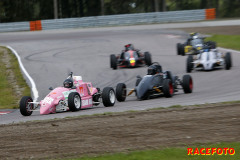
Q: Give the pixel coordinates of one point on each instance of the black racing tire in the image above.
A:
(113, 61)
(182, 50)
(189, 63)
(121, 92)
(74, 101)
(25, 107)
(108, 96)
(187, 83)
(228, 61)
(148, 59)
(168, 89)
(138, 81)
(179, 48)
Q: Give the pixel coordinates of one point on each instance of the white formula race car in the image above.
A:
(209, 59)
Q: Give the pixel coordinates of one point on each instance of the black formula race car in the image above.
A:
(130, 58)
(156, 83)
(193, 45)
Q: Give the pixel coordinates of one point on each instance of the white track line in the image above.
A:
(34, 88)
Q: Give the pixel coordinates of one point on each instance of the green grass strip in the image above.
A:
(9, 98)
(171, 154)
(226, 41)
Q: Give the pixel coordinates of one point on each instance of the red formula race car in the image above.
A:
(130, 57)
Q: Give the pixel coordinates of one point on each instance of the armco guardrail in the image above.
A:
(111, 20)
(16, 26)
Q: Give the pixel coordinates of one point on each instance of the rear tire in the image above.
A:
(187, 84)
(74, 101)
(189, 63)
(108, 97)
(148, 59)
(228, 61)
(168, 89)
(25, 106)
(121, 92)
(113, 61)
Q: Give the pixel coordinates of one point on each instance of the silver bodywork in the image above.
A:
(208, 60)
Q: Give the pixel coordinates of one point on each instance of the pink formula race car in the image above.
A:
(74, 95)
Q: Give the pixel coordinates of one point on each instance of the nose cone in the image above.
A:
(141, 90)
(47, 108)
(208, 66)
(132, 62)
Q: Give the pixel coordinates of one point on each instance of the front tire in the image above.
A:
(113, 61)
(108, 97)
(138, 81)
(25, 106)
(148, 59)
(179, 48)
(121, 92)
(228, 61)
(187, 84)
(74, 101)
(182, 50)
(189, 63)
(168, 89)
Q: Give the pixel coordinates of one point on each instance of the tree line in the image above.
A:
(29, 10)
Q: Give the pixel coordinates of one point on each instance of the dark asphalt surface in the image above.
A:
(49, 56)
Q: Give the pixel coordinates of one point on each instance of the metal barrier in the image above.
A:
(110, 20)
(16, 26)
(125, 19)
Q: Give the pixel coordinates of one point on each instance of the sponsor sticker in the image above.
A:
(86, 102)
(66, 93)
(48, 100)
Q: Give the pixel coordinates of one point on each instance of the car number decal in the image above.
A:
(48, 100)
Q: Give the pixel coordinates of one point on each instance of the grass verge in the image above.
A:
(172, 154)
(226, 41)
(12, 84)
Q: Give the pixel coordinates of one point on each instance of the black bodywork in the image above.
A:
(157, 84)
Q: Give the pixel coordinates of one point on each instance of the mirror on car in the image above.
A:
(50, 88)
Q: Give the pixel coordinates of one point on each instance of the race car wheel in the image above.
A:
(228, 61)
(108, 97)
(113, 61)
(179, 48)
(187, 84)
(189, 63)
(148, 59)
(121, 92)
(74, 101)
(182, 51)
(168, 89)
(25, 106)
(138, 81)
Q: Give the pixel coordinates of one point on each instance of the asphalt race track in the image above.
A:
(49, 56)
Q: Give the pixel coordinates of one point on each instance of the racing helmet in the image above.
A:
(154, 69)
(68, 83)
(129, 47)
